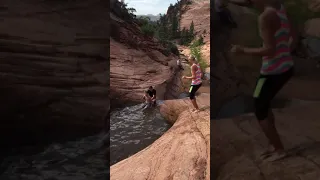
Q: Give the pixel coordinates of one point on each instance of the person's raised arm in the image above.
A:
(193, 73)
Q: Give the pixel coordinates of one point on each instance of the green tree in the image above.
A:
(191, 31)
(148, 30)
(174, 27)
(143, 20)
(162, 33)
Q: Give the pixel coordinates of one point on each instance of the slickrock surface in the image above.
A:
(53, 66)
(238, 142)
(183, 152)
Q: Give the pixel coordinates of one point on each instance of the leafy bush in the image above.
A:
(170, 48)
(142, 21)
(148, 30)
(198, 42)
(173, 49)
(196, 52)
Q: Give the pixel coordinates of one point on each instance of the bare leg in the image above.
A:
(269, 129)
(194, 103)
(276, 141)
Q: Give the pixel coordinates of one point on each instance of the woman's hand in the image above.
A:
(237, 49)
(183, 77)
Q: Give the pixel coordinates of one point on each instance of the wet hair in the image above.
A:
(150, 87)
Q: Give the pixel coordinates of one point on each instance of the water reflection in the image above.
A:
(75, 160)
(134, 128)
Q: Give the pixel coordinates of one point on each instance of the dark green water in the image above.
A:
(81, 159)
(133, 129)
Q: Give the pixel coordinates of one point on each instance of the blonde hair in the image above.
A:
(193, 58)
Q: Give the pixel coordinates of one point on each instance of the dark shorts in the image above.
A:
(193, 89)
(266, 88)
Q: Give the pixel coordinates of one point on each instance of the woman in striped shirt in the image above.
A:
(195, 83)
(277, 67)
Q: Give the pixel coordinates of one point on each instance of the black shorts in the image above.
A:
(266, 88)
(193, 89)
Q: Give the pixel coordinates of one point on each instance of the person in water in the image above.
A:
(179, 64)
(279, 39)
(148, 100)
(195, 83)
(152, 93)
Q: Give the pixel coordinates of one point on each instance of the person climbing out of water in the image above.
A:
(224, 13)
(179, 64)
(196, 76)
(279, 39)
(152, 93)
(148, 100)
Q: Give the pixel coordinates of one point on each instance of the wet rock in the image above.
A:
(183, 152)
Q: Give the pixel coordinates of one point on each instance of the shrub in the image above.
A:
(196, 52)
(173, 49)
(170, 48)
(198, 42)
(148, 30)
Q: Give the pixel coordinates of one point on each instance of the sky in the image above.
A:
(154, 7)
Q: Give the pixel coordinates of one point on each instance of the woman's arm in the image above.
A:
(269, 22)
(193, 72)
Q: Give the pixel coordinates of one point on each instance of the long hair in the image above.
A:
(194, 59)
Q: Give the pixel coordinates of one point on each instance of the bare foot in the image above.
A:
(277, 155)
(268, 152)
(197, 110)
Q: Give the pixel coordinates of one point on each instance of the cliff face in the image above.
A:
(137, 62)
(53, 67)
(199, 13)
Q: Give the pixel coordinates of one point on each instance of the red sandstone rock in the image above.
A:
(137, 62)
(53, 67)
(183, 152)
